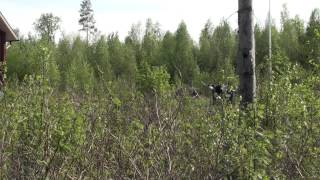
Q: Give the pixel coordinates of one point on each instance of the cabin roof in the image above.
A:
(5, 27)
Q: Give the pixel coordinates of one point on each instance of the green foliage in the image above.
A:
(153, 79)
(63, 59)
(101, 61)
(262, 42)
(110, 109)
(184, 63)
(122, 58)
(47, 25)
(291, 36)
(179, 138)
(86, 18)
(217, 51)
(206, 52)
(313, 37)
(167, 53)
(150, 43)
(80, 73)
(23, 59)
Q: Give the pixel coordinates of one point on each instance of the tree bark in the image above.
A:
(246, 54)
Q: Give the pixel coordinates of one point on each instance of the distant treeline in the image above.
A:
(75, 63)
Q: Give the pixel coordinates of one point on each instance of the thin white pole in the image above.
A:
(270, 67)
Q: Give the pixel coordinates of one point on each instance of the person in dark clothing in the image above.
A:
(231, 95)
(222, 91)
(194, 93)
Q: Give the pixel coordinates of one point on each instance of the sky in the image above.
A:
(119, 15)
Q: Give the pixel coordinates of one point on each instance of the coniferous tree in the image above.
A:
(63, 60)
(80, 73)
(134, 35)
(86, 18)
(292, 30)
(122, 58)
(134, 40)
(167, 53)
(223, 52)
(100, 60)
(313, 37)
(261, 35)
(151, 41)
(53, 73)
(184, 63)
(206, 57)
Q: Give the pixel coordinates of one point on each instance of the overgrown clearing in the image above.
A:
(123, 110)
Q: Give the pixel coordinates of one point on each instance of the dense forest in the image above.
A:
(99, 107)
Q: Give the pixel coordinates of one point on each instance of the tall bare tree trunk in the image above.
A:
(246, 56)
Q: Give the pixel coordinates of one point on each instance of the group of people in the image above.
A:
(222, 92)
(218, 92)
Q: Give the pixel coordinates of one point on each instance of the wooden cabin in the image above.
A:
(7, 36)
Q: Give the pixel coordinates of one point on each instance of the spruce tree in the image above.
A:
(167, 53)
(205, 56)
(151, 41)
(100, 60)
(184, 62)
(292, 30)
(313, 37)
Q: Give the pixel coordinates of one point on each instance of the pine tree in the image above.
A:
(86, 18)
